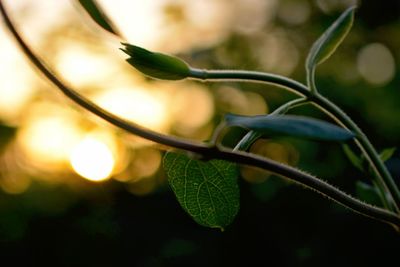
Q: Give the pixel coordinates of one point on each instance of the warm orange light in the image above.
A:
(82, 66)
(47, 136)
(236, 101)
(140, 106)
(92, 159)
(136, 18)
(193, 107)
(15, 81)
(14, 184)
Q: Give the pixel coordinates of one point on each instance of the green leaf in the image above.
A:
(368, 193)
(207, 191)
(387, 153)
(156, 65)
(354, 159)
(96, 13)
(324, 47)
(291, 125)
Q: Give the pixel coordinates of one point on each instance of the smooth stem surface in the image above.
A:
(247, 141)
(289, 105)
(384, 178)
(217, 134)
(249, 76)
(296, 175)
(311, 80)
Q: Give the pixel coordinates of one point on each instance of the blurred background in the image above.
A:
(76, 191)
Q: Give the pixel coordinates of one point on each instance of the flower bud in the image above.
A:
(156, 65)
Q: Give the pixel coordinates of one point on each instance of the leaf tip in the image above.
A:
(328, 42)
(96, 13)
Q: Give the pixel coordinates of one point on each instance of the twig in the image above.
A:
(298, 176)
(384, 179)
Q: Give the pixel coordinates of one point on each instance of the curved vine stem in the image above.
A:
(289, 105)
(247, 140)
(206, 150)
(311, 80)
(384, 179)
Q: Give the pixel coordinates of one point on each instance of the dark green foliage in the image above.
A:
(368, 193)
(387, 153)
(354, 159)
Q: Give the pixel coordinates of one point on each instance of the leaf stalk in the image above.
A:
(385, 180)
(206, 150)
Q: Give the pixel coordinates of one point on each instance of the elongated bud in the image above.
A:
(156, 65)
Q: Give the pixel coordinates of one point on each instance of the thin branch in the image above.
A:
(218, 133)
(250, 76)
(92, 107)
(311, 80)
(247, 141)
(298, 176)
(289, 105)
(384, 179)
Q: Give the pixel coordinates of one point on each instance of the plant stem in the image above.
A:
(95, 109)
(247, 141)
(217, 134)
(296, 175)
(250, 76)
(308, 181)
(311, 80)
(289, 105)
(384, 178)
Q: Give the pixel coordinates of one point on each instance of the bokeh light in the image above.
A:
(15, 183)
(47, 135)
(139, 105)
(145, 163)
(15, 94)
(142, 187)
(376, 64)
(56, 141)
(171, 20)
(252, 15)
(68, 177)
(279, 151)
(276, 52)
(294, 12)
(82, 65)
(233, 100)
(92, 159)
(192, 107)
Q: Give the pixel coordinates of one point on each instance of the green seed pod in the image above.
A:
(156, 65)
